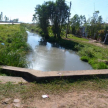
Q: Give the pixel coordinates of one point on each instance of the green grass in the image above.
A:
(13, 52)
(56, 87)
(71, 36)
(94, 55)
(85, 58)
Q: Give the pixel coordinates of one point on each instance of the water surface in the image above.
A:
(51, 57)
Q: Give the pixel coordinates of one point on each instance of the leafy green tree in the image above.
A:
(41, 13)
(100, 20)
(82, 20)
(6, 18)
(75, 23)
(94, 26)
(1, 16)
(53, 13)
(59, 13)
(15, 20)
(34, 18)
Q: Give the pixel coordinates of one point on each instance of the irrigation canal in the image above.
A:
(52, 57)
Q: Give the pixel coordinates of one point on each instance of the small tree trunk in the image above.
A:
(67, 31)
(55, 36)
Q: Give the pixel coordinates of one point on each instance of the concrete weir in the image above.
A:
(34, 75)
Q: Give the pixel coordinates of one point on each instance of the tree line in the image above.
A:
(5, 18)
(94, 27)
(55, 15)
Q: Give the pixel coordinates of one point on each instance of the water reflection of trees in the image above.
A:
(44, 42)
(49, 59)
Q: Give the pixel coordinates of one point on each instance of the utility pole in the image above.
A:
(68, 20)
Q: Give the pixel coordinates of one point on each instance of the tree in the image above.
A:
(94, 26)
(41, 13)
(34, 18)
(53, 13)
(100, 20)
(15, 20)
(82, 20)
(1, 16)
(95, 17)
(68, 23)
(61, 14)
(6, 18)
(75, 23)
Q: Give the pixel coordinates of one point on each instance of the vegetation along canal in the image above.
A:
(51, 57)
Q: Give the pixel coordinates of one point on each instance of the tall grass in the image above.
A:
(94, 55)
(13, 52)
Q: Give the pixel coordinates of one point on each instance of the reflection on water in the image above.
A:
(51, 57)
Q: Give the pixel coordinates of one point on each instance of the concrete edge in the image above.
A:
(13, 80)
(34, 75)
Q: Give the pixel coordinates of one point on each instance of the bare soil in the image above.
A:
(71, 99)
(15, 80)
(82, 99)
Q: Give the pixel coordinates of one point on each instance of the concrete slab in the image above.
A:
(15, 80)
(36, 74)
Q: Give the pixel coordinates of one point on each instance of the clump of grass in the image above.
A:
(71, 36)
(85, 58)
(87, 51)
(102, 65)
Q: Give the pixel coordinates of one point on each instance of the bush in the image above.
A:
(87, 51)
(85, 58)
(102, 65)
(102, 35)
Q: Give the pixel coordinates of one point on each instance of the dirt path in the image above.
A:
(73, 99)
(82, 99)
(94, 42)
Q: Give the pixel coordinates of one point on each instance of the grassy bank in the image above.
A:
(13, 46)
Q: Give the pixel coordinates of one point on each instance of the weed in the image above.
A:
(102, 65)
(85, 58)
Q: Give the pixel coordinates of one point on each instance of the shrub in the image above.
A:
(101, 35)
(87, 51)
(85, 58)
(102, 65)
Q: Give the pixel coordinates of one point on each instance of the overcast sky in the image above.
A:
(24, 9)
